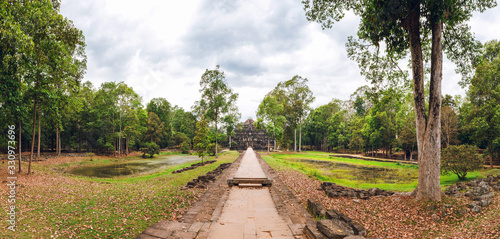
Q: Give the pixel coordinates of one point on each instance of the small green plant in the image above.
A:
(460, 160)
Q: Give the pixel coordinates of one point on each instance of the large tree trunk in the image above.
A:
(300, 135)
(60, 145)
(20, 145)
(39, 136)
(58, 141)
(126, 145)
(428, 130)
(32, 138)
(490, 152)
(216, 130)
(295, 141)
(268, 145)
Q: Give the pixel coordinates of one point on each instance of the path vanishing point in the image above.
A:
(247, 201)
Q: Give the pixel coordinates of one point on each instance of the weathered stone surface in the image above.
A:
(331, 229)
(358, 229)
(355, 237)
(333, 190)
(333, 214)
(485, 196)
(249, 136)
(346, 225)
(202, 181)
(485, 202)
(475, 203)
(183, 235)
(193, 166)
(316, 208)
(476, 209)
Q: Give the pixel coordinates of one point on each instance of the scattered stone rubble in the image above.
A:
(202, 181)
(479, 190)
(334, 224)
(334, 191)
(193, 166)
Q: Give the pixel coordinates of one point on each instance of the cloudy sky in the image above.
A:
(161, 48)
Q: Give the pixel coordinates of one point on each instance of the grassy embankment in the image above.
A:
(356, 173)
(52, 203)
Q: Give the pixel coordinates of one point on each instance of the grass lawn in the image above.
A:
(356, 173)
(52, 203)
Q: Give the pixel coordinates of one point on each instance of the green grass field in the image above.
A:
(356, 173)
(52, 203)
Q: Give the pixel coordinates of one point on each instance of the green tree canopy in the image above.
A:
(217, 99)
(397, 28)
(483, 109)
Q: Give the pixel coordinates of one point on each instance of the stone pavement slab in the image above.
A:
(249, 213)
(250, 167)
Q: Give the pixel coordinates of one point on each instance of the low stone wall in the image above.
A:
(479, 190)
(193, 166)
(202, 181)
(334, 191)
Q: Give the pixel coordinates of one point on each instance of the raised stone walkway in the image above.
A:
(247, 210)
(250, 211)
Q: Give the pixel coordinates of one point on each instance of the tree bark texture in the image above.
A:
(32, 139)
(295, 141)
(216, 129)
(300, 135)
(20, 145)
(39, 136)
(428, 129)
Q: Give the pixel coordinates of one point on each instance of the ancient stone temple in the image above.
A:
(248, 136)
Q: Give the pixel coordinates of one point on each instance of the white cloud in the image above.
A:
(161, 48)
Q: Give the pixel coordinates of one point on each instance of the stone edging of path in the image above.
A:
(196, 221)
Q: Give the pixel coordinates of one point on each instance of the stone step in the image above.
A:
(250, 185)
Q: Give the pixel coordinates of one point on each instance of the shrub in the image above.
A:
(185, 147)
(151, 149)
(460, 160)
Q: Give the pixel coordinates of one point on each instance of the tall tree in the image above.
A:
(418, 26)
(483, 112)
(296, 97)
(154, 130)
(162, 108)
(51, 47)
(217, 98)
(202, 140)
(183, 122)
(270, 113)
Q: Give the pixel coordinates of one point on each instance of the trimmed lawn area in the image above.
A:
(356, 173)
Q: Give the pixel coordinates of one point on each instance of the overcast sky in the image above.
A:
(161, 48)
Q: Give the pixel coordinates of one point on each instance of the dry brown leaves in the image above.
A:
(402, 216)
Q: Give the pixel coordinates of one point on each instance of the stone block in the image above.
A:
(331, 229)
(485, 202)
(183, 235)
(358, 229)
(485, 196)
(316, 208)
(333, 214)
(474, 203)
(354, 237)
(476, 209)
